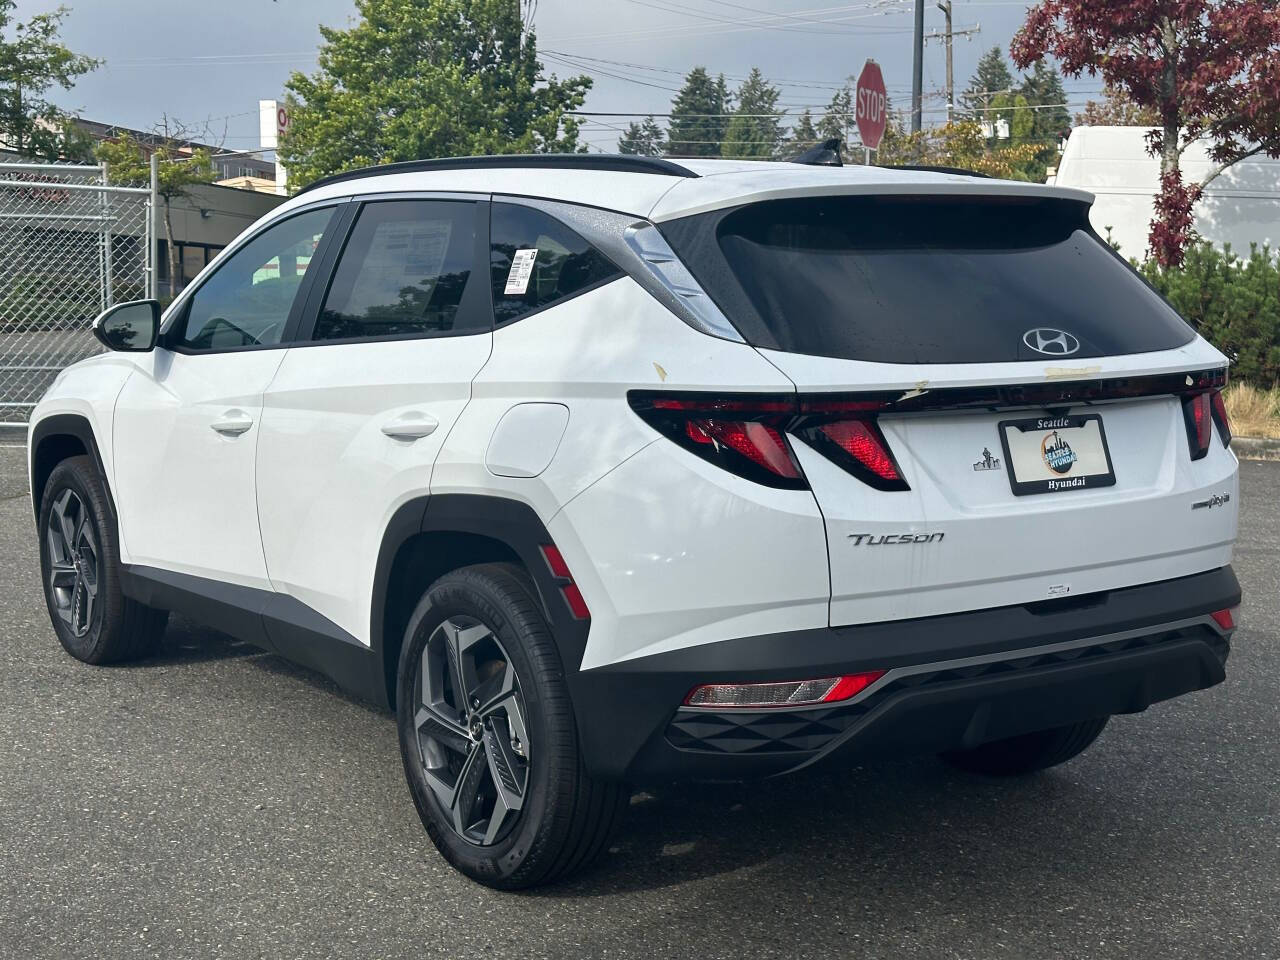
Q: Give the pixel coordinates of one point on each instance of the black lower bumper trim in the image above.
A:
(1004, 671)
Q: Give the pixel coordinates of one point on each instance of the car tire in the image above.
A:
(80, 572)
(1029, 752)
(496, 773)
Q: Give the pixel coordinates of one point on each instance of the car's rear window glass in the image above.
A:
(922, 279)
(536, 261)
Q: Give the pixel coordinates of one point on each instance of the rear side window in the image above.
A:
(404, 272)
(536, 261)
(922, 279)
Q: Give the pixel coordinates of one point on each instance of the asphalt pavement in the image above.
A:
(218, 802)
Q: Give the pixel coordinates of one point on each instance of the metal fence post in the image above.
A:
(153, 290)
(107, 268)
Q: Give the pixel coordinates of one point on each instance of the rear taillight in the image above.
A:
(1226, 619)
(744, 435)
(1220, 418)
(859, 447)
(789, 693)
(1197, 409)
(747, 435)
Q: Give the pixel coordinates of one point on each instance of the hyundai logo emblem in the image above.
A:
(1054, 343)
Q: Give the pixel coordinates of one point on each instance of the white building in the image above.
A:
(1240, 207)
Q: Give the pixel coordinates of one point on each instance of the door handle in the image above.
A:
(411, 426)
(233, 423)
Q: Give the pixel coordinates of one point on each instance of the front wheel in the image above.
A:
(80, 566)
(488, 738)
(1030, 751)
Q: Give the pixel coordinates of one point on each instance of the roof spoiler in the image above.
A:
(824, 154)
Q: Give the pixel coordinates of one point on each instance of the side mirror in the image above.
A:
(131, 327)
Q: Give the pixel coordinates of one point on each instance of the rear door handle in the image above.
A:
(411, 426)
(233, 423)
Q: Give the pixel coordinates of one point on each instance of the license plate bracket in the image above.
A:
(1052, 454)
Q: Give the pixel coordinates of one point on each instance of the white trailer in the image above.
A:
(1240, 207)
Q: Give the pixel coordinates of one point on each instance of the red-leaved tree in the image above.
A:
(1209, 68)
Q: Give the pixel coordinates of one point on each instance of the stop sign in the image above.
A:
(871, 104)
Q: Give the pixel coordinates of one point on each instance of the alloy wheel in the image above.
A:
(74, 562)
(469, 721)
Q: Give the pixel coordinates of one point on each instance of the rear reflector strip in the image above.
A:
(1225, 619)
(791, 693)
(569, 590)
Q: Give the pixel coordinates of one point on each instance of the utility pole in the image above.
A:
(945, 7)
(917, 67)
(947, 36)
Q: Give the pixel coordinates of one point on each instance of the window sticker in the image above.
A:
(520, 272)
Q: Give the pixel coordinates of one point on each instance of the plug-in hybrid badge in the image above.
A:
(1051, 342)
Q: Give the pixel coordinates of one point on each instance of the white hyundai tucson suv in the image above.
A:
(603, 471)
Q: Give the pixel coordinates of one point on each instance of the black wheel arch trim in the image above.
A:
(510, 522)
(78, 427)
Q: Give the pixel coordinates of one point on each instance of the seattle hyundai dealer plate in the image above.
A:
(1053, 454)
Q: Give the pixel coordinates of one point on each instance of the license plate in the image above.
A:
(1056, 454)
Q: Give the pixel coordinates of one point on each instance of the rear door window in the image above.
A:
(536, 261)
(405, 272)
(923, 279)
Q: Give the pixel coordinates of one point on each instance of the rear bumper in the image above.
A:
(952, 681)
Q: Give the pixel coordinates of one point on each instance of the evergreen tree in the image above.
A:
(413, 79)
(838, 119)
(992, 77)
(804, 135)
(645, 139)
(698, 118)
(756, 129)
(1043, 89)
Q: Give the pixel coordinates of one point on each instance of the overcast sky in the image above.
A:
(203, 61)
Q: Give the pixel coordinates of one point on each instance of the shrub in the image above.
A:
(1233, 302)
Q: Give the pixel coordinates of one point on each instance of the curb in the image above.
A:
(1256, 448)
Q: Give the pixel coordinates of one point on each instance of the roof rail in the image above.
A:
(612, 162)
(928, 168)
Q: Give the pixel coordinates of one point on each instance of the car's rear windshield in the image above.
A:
(923, 279)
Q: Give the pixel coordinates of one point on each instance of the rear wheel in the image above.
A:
(488, 738)
(1030, 751)
(80, 567)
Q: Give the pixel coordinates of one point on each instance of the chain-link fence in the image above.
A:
(70, 246)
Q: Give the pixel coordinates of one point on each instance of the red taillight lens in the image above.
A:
(1225, 619)
(1220, 418)
(861, 441)
(747, 435)
(560, 570)
(758, 442)
(1198, 412)
(789, 693)
(744, 435)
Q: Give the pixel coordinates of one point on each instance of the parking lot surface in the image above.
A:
(218, 802)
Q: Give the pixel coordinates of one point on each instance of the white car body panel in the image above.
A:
(184, 491)
(329, 478)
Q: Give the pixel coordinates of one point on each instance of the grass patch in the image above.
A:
(1253, 412)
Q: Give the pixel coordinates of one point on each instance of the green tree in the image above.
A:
(181, 166)
(755, 129)
(837, 121)
(1117, 109)
(415, 79)
(992, 77)
(645, 138)
(698, 116)
(804, 134)
(32, 63)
